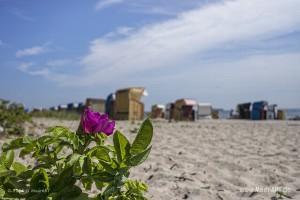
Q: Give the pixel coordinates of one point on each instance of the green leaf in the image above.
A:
(74, 140)
(74, 157)
(83, 196)
(65, 179)
(36, 196)
(87, 182)
(17, 183)
(40, 180)
(139, 158)
(3, 169)
(19, 167)
(6, 173)
(7, 158)
(103, 177)
(100, 152)
(122, 146)
(143, 138)
(14, 144)
(27, 150)
(99, 184)
(58, 131)
(17, 143)
(26, 174)
(87, 166)
(108, 167)
(78, 166)
(70, 192)
(2, 193)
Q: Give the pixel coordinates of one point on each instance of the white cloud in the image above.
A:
(36, 50)
(182, 41)
(172, 42)
(107, 3)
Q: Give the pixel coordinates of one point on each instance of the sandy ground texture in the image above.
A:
(215, 159)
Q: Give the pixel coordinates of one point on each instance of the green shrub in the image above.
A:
(67, 161)
(12, 117)
(66, 115)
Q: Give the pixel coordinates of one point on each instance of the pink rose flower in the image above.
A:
(94, 122)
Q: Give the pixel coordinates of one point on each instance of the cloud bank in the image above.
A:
(193, 33)
(200, 48)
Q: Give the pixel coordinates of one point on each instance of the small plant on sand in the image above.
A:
(12, 118)
(67, 161)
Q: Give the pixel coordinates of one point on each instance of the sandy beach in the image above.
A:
(215, 159)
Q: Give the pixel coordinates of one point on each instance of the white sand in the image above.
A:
(216, 159)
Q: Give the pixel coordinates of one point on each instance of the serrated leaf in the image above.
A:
(122, 146)
(143, 138)
(139, 158)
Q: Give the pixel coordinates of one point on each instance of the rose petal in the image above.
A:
(109, 128)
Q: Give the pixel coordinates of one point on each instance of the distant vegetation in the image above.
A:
(66, 115)
(12, 117)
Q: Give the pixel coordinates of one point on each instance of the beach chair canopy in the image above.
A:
(185, 109)
(259, 110)
(204, 110)
(243, 110)
(157, 111)
(128, 105)
(96, 104)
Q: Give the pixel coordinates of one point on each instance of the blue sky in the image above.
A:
(218, 51)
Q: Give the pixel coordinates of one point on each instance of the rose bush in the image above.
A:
(66, 162)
